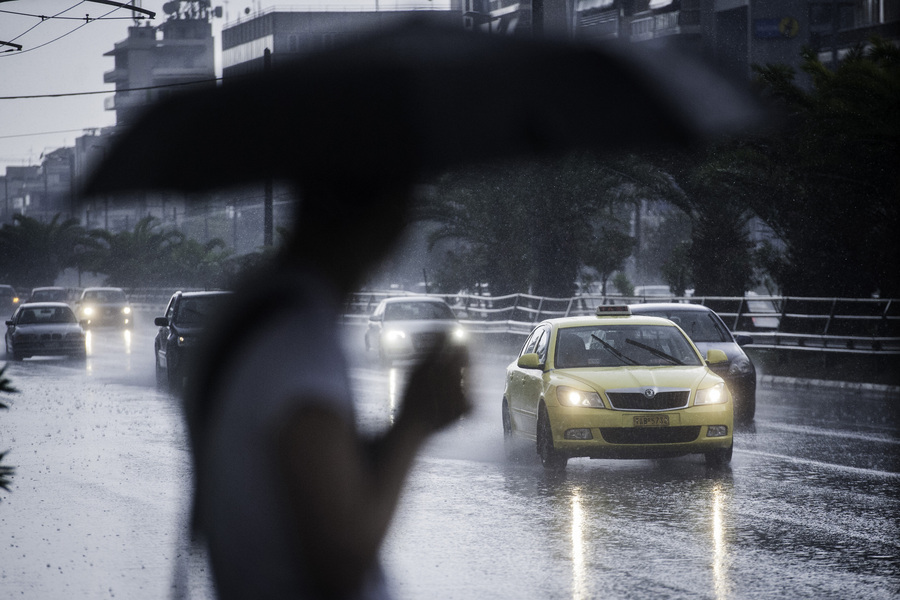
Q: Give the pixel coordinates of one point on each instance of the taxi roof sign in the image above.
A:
(614, 310)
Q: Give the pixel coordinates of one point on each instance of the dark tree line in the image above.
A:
(34, 253)
(825, 182)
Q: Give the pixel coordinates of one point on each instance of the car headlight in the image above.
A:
(394, 335)
(126, 310)
(568, 396)
(458, 335)
(740, 366)
(712, 395)
(88, 311)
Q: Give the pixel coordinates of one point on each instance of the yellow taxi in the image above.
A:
(617, 385)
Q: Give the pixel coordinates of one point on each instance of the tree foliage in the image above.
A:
(827, 182)
(530, 227)
(33, 253)
(150, 256)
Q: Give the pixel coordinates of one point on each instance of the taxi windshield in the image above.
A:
(623, 345)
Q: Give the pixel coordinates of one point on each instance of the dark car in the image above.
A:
(707, 330)
(104, 307)
(9, 300)
(44, 329)
(405, 327)
(186, 315)
(49, 294)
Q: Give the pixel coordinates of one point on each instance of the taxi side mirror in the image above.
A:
(715, 356)
(529, 361)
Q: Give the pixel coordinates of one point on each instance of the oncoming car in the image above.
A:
(175, 343)
(49, 294)
(104, 306)
(616, 385)
(9, 299)
(405, 327)
(707, 330)
(44, 329)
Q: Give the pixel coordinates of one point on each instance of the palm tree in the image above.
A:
(138, 258)
(34, 253)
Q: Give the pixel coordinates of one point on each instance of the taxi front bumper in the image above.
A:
(604, 433)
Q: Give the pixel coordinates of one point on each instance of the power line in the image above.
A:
(46, 18)
(87, 20)
(6, 137)
(136, 89)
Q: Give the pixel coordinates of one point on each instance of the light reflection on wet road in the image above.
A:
(808, 508)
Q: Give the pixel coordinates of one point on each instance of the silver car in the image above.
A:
(406, 327)
(707, 330)
(44, 329)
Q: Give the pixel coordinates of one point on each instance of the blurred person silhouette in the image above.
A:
(290, 499)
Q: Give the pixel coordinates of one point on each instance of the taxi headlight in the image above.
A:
(713, 395)
(568, 396)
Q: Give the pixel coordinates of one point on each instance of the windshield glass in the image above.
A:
(623, 345)
(49, 296)
(700, 325)
(196, 311)
(38, 316)
(411, 311)
(104, 296)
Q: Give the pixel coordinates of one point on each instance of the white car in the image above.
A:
(406, 327)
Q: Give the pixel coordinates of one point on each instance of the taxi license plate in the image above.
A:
(651, 421)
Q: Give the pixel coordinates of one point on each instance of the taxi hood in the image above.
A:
(638, 377)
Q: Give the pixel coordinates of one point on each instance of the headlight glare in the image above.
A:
(394, 335)
(88, 311)
(568, 396)
(127, 310)
(712, 395)
(458, 335)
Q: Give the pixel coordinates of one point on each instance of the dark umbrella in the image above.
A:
(397, 105)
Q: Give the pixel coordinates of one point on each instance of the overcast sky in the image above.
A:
(65, 56)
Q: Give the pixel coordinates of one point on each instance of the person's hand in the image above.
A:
(435, 396)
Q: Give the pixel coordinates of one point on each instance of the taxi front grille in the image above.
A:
(638, 401)
(650, 435)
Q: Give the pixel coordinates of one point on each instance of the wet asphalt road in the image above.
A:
(808, 508)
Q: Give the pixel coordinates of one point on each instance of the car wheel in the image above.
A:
(551, 458)
(11, 353)
(745, 409)
(160, 372)
(175, 380)
(507, 423)
(720, 456)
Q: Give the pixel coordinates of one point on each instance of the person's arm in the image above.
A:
(343, 489)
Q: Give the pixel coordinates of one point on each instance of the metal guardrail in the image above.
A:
(848, 325)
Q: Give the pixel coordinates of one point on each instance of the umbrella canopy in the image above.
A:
(399, 104)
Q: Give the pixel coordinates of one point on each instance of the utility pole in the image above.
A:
(268, 215)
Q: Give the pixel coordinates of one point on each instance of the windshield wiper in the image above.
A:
(654, 351)
(616, 353)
